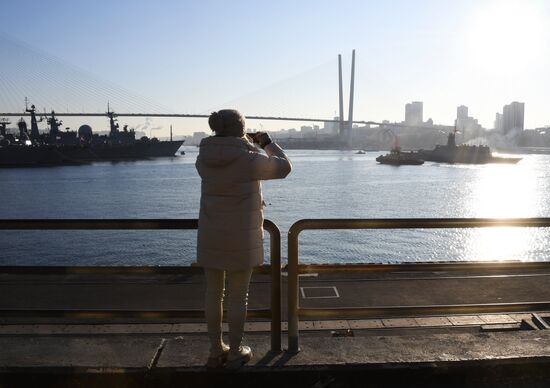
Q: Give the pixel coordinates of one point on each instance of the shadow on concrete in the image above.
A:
(284, 359)
(268, 358)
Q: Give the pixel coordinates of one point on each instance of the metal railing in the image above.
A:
(295, 312)
(274, 313)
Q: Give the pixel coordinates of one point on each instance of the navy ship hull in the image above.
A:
(46, 155)
(135, 151)
(68, 147)
(466, 156)
(30, 156)
(463, 154)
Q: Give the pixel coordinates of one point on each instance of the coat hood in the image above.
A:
(221, 151)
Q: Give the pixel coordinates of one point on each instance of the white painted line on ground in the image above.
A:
(302, 275)
(333, 288)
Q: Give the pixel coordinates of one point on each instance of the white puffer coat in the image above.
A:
(230, 235)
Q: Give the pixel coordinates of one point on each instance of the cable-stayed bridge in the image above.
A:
(186, 115)
(50, 81)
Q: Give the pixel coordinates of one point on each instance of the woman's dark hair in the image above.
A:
(227, 122)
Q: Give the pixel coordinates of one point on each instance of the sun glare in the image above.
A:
(504, 191)
(505, 37)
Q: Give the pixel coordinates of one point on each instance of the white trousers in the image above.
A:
(237, 287)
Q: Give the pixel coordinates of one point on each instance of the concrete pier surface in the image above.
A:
(505, 349)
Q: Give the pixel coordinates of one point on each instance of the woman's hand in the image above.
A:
(260, 138)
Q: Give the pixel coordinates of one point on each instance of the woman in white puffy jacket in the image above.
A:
(230, 235)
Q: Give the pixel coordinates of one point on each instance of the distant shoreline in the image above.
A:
(524, 150)
(327, 147)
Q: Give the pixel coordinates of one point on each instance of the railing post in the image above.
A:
(293, 302)
(164, 224)
(275, 251)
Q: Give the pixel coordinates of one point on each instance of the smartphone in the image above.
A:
(253, 136)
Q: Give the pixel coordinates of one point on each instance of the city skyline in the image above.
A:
(509, 122)
(479, 54)
(510, 128)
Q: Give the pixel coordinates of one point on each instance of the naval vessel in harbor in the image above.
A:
(449, 153)
(57, 147)
(466, 154)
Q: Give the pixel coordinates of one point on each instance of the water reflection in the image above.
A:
(494, 244)
(320, 186)
(504, 191)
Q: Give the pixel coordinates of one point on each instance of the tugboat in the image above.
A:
(396, 157)
(58, 147)
(467, 154)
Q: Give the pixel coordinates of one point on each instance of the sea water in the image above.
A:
(323, 184)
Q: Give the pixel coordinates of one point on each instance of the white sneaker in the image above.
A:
(237, 359)
(218, 360)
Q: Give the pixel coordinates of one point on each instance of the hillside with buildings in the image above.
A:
(416, 133)
(413, 133)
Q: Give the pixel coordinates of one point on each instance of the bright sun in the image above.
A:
(505, 37)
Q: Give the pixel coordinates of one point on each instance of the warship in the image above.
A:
(467, 154)
(57, 147)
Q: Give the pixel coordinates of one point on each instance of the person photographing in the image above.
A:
(230, 233)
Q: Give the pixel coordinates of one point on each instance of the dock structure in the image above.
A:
(412, 324)
(84, 349)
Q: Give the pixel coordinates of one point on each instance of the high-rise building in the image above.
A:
(461, 112)
(414, 113)
(331, 126)
(498, 122)
(465, 123)
(197, 137)
(513, 116)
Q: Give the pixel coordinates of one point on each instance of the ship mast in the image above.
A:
(451, 141)
(23, 132)
(34, 124)
(54, 125)
(112, 121)
(3, 124)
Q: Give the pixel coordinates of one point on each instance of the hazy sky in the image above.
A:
(280, 57)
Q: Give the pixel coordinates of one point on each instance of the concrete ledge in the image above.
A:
(509, 374)
(76, 353)
(264, 326)
(407, 351)
(374, 351)
(482, 359)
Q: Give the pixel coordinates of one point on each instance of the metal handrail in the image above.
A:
(295, 312)
(145, 224)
